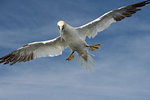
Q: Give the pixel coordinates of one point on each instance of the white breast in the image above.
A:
(73, 39)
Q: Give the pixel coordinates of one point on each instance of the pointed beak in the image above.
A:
(61, 29)
(61, 37)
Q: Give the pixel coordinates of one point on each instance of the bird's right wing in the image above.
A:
(91, 29)
(35, 50)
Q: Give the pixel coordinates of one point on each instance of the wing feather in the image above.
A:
(35, 50)
(91, 29)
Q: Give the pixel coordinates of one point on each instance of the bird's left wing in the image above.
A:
(35, 50)
(91, 29)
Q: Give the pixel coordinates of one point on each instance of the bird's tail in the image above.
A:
(87, 59)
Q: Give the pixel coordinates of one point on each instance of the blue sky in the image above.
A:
(121, 71)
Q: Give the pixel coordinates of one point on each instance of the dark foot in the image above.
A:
(70, 57)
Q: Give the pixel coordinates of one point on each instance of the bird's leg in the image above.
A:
(71, 56)
(94, 47)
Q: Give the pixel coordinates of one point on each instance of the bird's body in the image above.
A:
(75, 42)
(72, 37)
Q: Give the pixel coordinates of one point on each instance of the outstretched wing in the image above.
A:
(35, 50)
(91, 29)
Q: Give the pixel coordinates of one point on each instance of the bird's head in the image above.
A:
(61, 26)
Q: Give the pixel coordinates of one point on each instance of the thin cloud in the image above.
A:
(122, 64)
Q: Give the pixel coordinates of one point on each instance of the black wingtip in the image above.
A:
(147, 2)
(140, 4)
(2, 61)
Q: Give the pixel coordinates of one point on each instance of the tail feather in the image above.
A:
(80, 60)
(87, 65)
(87, 59)
(92, 60)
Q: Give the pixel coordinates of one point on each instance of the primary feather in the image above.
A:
(92, 28)
(35, 50)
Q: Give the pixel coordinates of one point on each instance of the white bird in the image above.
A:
(72, 37)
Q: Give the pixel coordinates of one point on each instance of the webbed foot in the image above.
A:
(94, 47)
(71, 56)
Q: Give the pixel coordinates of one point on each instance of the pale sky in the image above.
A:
(122, 68)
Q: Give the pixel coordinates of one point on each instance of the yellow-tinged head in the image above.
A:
(61, 25)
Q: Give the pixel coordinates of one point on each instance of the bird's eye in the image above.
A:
(58, 27)
(62, 27)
